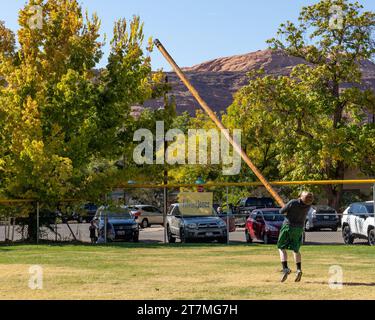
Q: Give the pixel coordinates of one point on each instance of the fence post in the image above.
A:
(165, 198)
(105, 226)
(13, 226)
(6, 232)
(228, 227)
(37, 222)
(7, 236)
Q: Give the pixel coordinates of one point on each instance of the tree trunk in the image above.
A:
(32, 231)
(334, 192)
(334, 196)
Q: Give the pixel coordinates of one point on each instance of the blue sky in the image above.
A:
(193, 30)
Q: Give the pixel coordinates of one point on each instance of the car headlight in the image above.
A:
(192, 226)
(135, 226)
(221, 223)
(271, 228)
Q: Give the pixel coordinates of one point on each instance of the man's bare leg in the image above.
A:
(298, 260)
(283, 256)
(284, 261)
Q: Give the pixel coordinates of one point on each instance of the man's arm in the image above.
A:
(285, 209)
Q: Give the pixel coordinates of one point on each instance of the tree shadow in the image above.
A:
(5, 248)
(311, 243)
(347, 284)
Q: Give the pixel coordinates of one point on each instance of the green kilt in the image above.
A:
(290, 238)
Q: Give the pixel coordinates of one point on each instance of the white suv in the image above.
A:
(358, 222)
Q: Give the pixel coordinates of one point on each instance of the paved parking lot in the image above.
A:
(155, 234)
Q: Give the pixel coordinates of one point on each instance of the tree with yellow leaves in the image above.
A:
(58, 115)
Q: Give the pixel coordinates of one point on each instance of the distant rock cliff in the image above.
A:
(219, 79)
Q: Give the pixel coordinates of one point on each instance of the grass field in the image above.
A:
(182, 272)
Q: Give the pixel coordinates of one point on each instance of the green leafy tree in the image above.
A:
(314, 124)
(60, 118)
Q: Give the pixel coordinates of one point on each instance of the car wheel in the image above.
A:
(371, 237)
(136, 237)
(334, 229)
(347, 235)
(266, 240)
(308, 226)
(171, 239)
(144, 224)
(223, 240)
(248, 237)
(182, 236)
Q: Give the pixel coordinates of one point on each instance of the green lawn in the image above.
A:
(136, 271)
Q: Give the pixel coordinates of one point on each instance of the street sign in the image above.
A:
(196, 204)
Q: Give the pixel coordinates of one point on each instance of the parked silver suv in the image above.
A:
(189, 228)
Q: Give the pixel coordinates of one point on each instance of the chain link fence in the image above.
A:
(148, 215)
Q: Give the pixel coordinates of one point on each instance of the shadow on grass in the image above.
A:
(310, 243)
(348, 284)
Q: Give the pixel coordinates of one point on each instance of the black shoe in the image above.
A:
(298, 276)
(286, 272)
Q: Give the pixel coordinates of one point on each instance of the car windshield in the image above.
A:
(370, 208)
(260, 202)
(273, 216)
(117, 213)
(119, 216)
(324, 209)
(177, 212)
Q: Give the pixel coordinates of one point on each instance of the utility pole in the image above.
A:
(165, 175)
(237, 148)
(165, 196)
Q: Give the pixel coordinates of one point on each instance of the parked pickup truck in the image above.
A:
(246, 206)
(189, 228)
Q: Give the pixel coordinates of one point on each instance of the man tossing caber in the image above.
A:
(291, 233)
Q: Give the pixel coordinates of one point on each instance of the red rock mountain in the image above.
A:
(219, 79)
